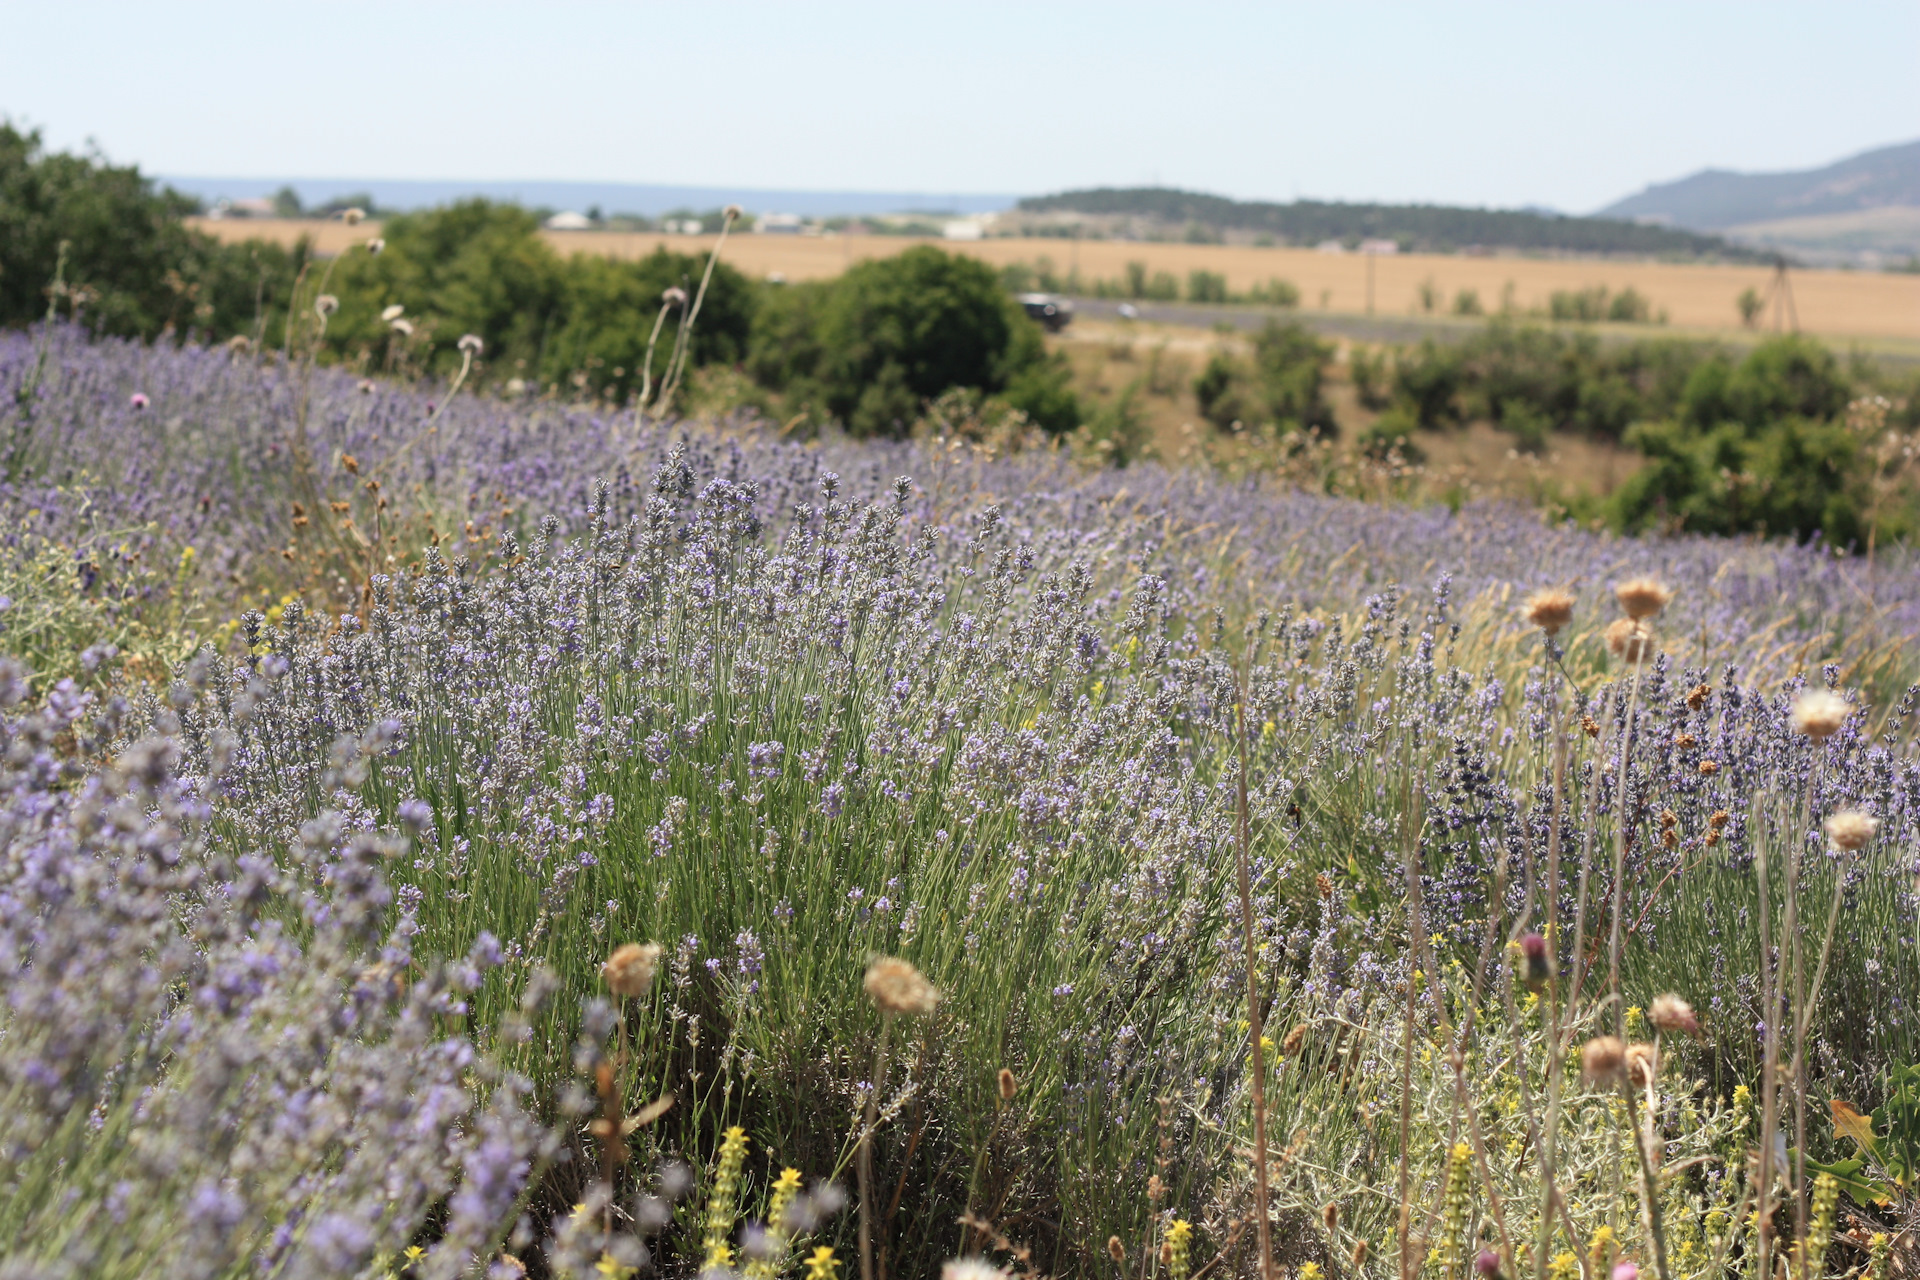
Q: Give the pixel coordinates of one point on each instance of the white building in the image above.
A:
(568, 221)
(778, 224)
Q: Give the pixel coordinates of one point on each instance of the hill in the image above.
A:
(1720, 199)
(1421, 228)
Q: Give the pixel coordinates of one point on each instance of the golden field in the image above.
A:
(1832, 304)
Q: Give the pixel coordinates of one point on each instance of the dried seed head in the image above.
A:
(375, 245)
(1642, 597)
(402, 326)
(1642, 1064)
(353, 217)
(1008, 1085)
(1116, 1250)
(1850, 829)
(895, 986)
(1670, 1013)
(1819, 713)
(471, 345)
(1602, 1057)
(629, 970)
(673, 296)
(1629, 641)
(389, 314)
(733, 213)
(1331, 1216)
(1550, 610)
(325, 305)
(970, 1269)
(1719, 819)
(1697, 696)
(1709, 767)
(1155, 1189)
(1359, 1256)
(1295, 1038)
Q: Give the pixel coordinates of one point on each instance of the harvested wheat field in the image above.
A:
(1834, 304)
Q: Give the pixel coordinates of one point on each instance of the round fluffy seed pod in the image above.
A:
(1642, 597)
(1819, 713)
(1550, 610)
(1602, 1058)
(1850, 830)
(629, 970)
(897, 987)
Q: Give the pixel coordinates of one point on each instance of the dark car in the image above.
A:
(1050, 309)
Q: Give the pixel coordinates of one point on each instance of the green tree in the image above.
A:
(471, 267)
(872, 347)
(130, 258)
(608, 310)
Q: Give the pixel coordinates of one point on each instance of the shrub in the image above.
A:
(1428, 379)
(1206, 286)
(1790, 478)
(608, 310)
(1372, 381)
(1282, 386)
(471, 267)
(873, 346)
(1275, 293)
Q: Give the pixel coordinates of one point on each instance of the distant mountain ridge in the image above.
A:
(1719, 199)
(1418, 227)
(643, 199)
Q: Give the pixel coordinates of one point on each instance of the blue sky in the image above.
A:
(1475, 103)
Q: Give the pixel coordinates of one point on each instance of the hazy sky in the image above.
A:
(1472, 103)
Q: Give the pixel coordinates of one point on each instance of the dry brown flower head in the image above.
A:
(1850, 829)
(1550, 610)
(1642, 1064)
(1819, 713)
(1602, 1057)
(1116, 1250)
(1642, 597)
(629, 970)
(1008, 1085)
(896, 987)
(1629, 641)
(1670, 1013)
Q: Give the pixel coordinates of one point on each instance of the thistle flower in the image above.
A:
(1602, 1057)
(1670, 1013)
(733, 213)
(1625, 1270)
(391, 313)
(1819, 713)
(353, 217)
(1550, 610)
(1486, 1264)
(1629, 641)
(325, 305)
(1642, 597)
(629, 970)
(1539, 961)
(376, 245)
(673, 296)
(1849, 830)
(403, 327)
(138, 400)
(896, 987)
(470, 344)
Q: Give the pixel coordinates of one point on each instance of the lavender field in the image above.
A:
(1289, 884)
